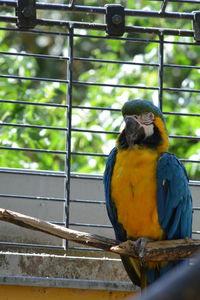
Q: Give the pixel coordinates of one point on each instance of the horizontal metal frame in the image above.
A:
(82, 201)
(88, 107)
(141, 40)
(182, 1)
(84, 130)
(53, 199)
(196, 208)
(28, 245)
(102, 10)
(34, 103)
(93, 60)
(35, 173)
(196, 231)
(32, 197)
(77, 153)
(46, 32)
(89, 225)
(87, 201)
(63, 175)
(102, 27)
(33, 150)
(33, 78)
(76, 82)
(34, 55)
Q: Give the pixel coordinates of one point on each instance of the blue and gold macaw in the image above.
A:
(146, 188)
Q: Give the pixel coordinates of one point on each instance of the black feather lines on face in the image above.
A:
(122, 141)
(152, 141)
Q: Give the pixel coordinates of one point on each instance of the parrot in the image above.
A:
(146, 188)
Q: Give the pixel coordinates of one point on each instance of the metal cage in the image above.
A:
(19, 20)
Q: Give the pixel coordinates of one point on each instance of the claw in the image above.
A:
(140, 245)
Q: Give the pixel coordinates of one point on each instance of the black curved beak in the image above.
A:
(133, 131)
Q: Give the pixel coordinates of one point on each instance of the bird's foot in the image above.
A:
(140, 245)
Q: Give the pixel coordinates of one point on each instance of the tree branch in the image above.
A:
(154, 251)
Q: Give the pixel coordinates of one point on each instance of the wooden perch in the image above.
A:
(154, 251)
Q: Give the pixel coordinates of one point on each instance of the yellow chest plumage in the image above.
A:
(133, 187)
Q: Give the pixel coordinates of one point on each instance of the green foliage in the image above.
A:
(131, 73)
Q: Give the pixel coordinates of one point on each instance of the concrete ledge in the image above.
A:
(68, 283)
(99, 273)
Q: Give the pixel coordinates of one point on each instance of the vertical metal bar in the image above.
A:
(69, 118)
(163, 7)
(160, 70)
(72, 3)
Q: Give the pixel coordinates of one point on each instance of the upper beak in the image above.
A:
(133, 130)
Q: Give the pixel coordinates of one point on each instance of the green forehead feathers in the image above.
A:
(138, 107)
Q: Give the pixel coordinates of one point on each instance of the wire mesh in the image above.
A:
(54, 107)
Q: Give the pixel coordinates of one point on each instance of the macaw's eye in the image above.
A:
(150, 116)
(147, 118)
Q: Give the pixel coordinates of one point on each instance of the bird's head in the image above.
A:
(145, 126)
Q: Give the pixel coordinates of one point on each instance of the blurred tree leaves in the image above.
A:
(131, 71)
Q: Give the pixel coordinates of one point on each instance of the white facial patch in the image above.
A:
(144, 120)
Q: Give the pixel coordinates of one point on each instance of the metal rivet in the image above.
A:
(27, 12)
(116, 19)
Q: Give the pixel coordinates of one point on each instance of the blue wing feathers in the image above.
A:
(107, 183)
(111, 209)
(174, 201)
